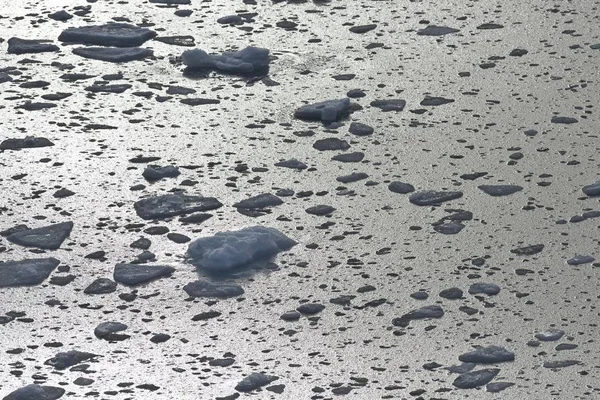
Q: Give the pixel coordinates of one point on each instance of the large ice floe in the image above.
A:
(226, 251)
(246, 61)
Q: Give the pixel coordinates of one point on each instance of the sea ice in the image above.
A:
(580, 259)
(112, 34)
(156, 172)
(48, 237)
(203, 288)
(550, 335)
(254, 381)
(170, 205)
(26, 272)
(488, 355)
(500, 190)
(36, 392)
(113, 54)
(487, 288)
(401, 187)
(107, 330)
(24, 46)
(592, 190)
(473, 379)
(432, 197)
(248, 60)
(261, 201)
(134, 274)
(226, 251)
(389, 104)
(325, 111)
(434, 30)
(68, 359)
(432, 311)
(26, 143)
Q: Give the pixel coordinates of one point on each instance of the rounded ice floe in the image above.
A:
(401, 187)
(203, 288)
(156, 172)
(326, 111)
(226, 251)
(37, 392)
(113, 34)
(500, 190)
(107, 330)
(592, 190)
(254, 381)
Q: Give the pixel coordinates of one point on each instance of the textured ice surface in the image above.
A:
(432, 197)
(36, 392)
(26, 272)
(248, 60)
(500, 190)
(170, 205)
(27, 142)
(113, 34)
(485, 288)
(156, 172)
(432, 311)
(550, 335)
(260, 201)
(326, 111)
(113, 54)
(226, 251)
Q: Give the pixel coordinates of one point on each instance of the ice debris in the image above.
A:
(134, 274)
(170, 205)
(113, 54)
(226, 251)
(471, 380)
(24, 46)
(48, 237)
(488, 355)
(254, 381)
(36, 392)
(204, 288)
(67, 359)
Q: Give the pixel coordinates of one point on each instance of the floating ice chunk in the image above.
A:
(448, 227)
(435, 101)
(61, 15)
(134, 274)
(434, 30)
(487, 288)
(156, 172)
(26, 272)
(528, 250)
(579, 259)
(560, 363)
(48, 237)
(248, 60)
(470, 380)
(113, 54)
(101, 286)
(261, 201)
(495, 387)
(320, 210)
(488, 355)
(293, 163)
(107, 330)
(326, 111)
(592, 190)
(563, 120)
(170, 205)
(432, 197)
(26, 143)
(389, 104)
(331, 144)
(202, 288)
(113, 34)
(500, 190)
(36, 392)
(254, 381)
(226, 251)
(550, 335)
(432, 311)
(68, 359)
(24, 46)
(349, 157)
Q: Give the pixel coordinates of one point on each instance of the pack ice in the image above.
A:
(245, 61)
(226, 251)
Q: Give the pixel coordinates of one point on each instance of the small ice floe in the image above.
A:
(37, 392)
(487, 355)
(170, 205)
(26, 272)
(490, 289)
(226, 251)
(325, 111)
(550, 335)
(25, 46)
(112, 34)
(389, 104)
(254, 381)
(246, 61)
(580, 259)
(433, 197)
(500, 190)
(25, 143)
(156, 172)
(473, 379)
(204, 288)
(592, 190)
(48, 237)
(69, 358)
(432, 311)
(113, 54)
(135, 274)
(434, 30)
(108, 331)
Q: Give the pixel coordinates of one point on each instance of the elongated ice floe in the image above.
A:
(226, 251)
(245, 61)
